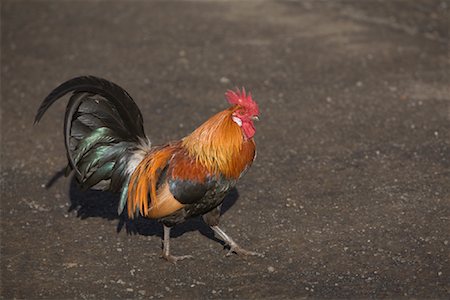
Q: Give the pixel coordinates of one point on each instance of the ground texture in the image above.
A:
(349, 196)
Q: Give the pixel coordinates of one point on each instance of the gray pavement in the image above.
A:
(349, 196)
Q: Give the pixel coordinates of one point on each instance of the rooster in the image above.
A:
(107, 149)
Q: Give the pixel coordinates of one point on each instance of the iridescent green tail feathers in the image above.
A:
(103, 131)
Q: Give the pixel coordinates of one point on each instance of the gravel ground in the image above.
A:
(349, 196)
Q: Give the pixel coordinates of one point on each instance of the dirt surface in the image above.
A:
(349, 196)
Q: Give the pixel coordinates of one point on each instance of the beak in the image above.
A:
(255, 118)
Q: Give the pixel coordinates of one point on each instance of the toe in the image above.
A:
(242, 252)
(173, 259)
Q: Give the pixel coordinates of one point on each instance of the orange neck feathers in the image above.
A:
(219, 145)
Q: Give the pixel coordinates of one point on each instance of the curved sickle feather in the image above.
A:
(126, 107)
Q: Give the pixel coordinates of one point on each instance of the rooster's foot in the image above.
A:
(173, 259)
(234, 247)
(242, 252)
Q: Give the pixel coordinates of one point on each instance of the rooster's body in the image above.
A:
(108, 150)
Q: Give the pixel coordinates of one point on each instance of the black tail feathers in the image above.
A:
(102, 127)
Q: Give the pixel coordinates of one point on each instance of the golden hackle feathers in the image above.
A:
(215, 143)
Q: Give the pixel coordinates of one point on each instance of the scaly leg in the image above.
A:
(166, 248)
(234, 247)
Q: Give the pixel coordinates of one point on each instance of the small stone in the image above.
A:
(141, 292)
(129, 289)
(271, 269)
(224, 80)
(70, 265)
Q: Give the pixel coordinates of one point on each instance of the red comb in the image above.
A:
(240, 97)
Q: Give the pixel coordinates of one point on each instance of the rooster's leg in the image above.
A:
(166, 248)
(234, 247)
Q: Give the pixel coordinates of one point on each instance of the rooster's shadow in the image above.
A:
(94, 204)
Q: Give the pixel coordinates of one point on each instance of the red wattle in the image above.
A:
(249, 129)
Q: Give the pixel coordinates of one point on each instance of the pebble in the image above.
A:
(271, 269)
(224, 80)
